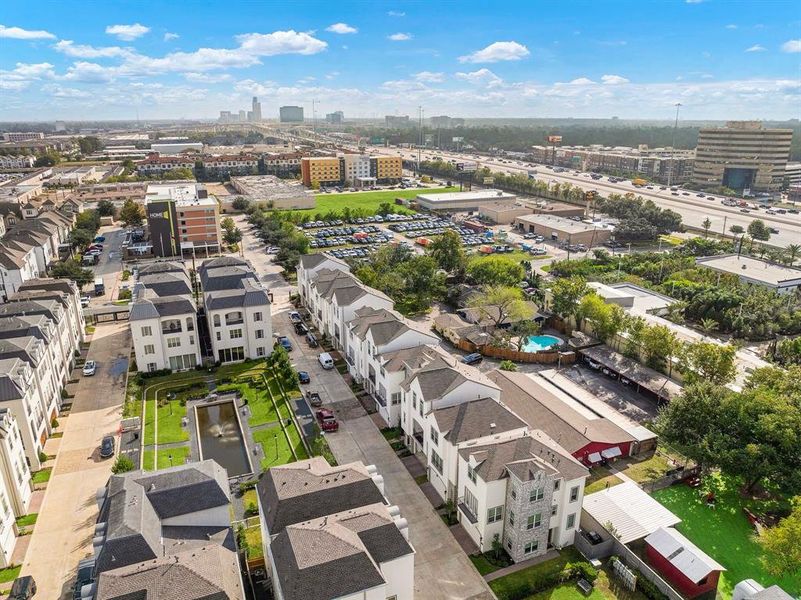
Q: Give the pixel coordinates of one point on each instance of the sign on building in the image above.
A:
(554, 139)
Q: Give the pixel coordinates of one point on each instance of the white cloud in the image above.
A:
(206, 77)
(127, 33)
(404, 85)
(57, 91)
(332, 75)
(613, 79)
(88, 72)
(70, 48)
(400, 37)
(496, 52)
(482, 77)
(430, 77)
(280, 42)
(792, 46)
(614, 43)
(17, 33)
(169, 36)
(341, 28)
(756, 48)
(731, 26)
(582, 81)
(396, 13)
(23, 74)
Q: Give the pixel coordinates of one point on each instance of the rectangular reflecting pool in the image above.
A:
(221, 437)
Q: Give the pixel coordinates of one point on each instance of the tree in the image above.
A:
(240, 203)
(105, 208)
(708, 325)
(659, 344)
(89, 144)
(447, 250)
(69, 269)
(499, 304)
(707, 223)
(758, 230)
(421, 282)
(232, 236)
(507, 365)
(80, 238)
(495, 270)
(782, 552)
(708, 361)
(228, 224)
(565, 295)
(48, 159)
(793, 250)
(132, 214)
(182, 173)
(88, 220)
(607, 319)
(123, 464)
(737, 229)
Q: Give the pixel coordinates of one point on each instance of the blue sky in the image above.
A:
(633, 59)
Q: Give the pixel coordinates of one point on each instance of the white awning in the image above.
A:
(594, 457)
(611, 452)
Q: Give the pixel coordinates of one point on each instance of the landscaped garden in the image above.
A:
(724, 532)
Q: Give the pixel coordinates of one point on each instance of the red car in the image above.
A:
(326, 420)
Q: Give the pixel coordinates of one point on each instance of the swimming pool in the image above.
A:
(535, 343)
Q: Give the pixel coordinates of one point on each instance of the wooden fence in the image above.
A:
(542, 358)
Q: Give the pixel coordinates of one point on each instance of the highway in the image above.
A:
(692, 209)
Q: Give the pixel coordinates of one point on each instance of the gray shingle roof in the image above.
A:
(248, 294)
(43, 283)
(170, 306)
(9, 389)
(475, 419)
(309, 261)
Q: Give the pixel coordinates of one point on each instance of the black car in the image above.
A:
(84, 578)
(303, 377)
(23, 588)
(472, 359)
(107, 447)
(312, 340)
(301, 329)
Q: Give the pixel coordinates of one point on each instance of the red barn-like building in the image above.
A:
(685, 566)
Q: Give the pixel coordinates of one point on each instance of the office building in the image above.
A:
(562, 229)
(237, 309)
(397, 122)
(17, 162)
(792, 174)
(226, 117)
(463, 201)
(335, 118)
(755, 271)
(321, 170)
(255, 111)
(329, 533)
(291, 114)
(743, 156)
(446, 122)
(243, 116)
(176, 147)
(167, 534)
(386, 169)
(183, 220)
(21, 136)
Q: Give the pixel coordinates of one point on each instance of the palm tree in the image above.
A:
(707, 325)
(706, 225)
(675, 311)
(793, 251)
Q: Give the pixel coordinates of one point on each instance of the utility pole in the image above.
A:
(673, 146)
(420, 141)
(314, 118)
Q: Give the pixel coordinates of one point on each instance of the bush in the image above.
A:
(42, 456)
(580, 569)
(126, 275)
(507, 365)
(123, 464)
(124, 295)
(649, 590)
(152, 374)
(54, 423)
(251, 509)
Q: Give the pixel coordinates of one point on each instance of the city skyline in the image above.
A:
(720, 60)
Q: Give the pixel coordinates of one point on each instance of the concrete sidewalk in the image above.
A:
(65, 526)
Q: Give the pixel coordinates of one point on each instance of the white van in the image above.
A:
(326, 360)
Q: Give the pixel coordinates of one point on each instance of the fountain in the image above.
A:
(220, 436)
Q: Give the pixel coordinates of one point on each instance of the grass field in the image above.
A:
(504, 586)
(261, 407)
(368, 201)
(180, 456)
(9, 574)
(723, 532)
(42, 475)
(253, 538)
(599, 478)
(275, 446)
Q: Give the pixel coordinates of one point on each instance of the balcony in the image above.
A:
(234, 320)
(380, 399)
(466, 511)
(171, 327)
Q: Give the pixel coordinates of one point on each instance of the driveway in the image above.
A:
(65, 526)
(442, 570)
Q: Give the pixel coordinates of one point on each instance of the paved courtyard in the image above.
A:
(66, 522)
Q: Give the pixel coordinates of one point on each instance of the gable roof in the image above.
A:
(155, 307)
(444, 374)
(384, 325)
(310, 261)
(686, 557)
(475, 419)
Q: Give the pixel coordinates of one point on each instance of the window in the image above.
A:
(556, 485)
(571, 521)
(151, 367)
(216, 320)
(508, 544)
(421, 407)
(260, 351)
(173, 342)
(414, 399)
(534, 520)
(190, 324)
(514, 494)
(147, 331)
(434, 436)
(259, 334)
(396, 398)
(471, 502)
(494, 514)
(219, 336)
(536, 494)
(150, 349)
(235, 334)
(511, 517)
(436, 461)
(531, 547)
(471, 473)
(191, 340)
(257, 316)
(574, 493)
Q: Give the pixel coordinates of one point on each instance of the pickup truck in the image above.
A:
(327, 420)
(314, 398)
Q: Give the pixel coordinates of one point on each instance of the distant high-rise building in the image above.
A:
(60, 126)
(335, 117)
(291, 114)
(243, 115)
(394, 121)
(255, 112)
(225, 116)
(743, 155)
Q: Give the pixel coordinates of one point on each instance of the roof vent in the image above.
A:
(492, 425)
(152, 487)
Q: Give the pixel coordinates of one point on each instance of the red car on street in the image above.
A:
(327, 420)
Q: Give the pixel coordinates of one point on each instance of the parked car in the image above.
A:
(84, 577)
(107, 447)
(285, 343)
(294, 316)
(84, 301)
(23, 588)
(311, 339)
(472, 359)
(314, 398)
(301, 329)
(326, 420)
(89, 368)
(303, 377)
(326, 360)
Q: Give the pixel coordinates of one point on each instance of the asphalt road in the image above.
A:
(693, 210)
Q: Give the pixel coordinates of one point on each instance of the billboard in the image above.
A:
(489, 180)
(466, 166)
(554, 139)
(457, 139)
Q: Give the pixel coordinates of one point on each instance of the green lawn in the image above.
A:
(606, 588)
(506, 584)
(42, 475)
(650, 469)
(599, 477)
(180, 456)
(276, 448)
(9, 574)
(724, 533)
(169, 424)
(368, 202)
(482, 565)
(253, 540)
(27, 520)
(250, 497)
(261, 407)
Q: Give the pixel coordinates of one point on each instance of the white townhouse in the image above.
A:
(164, 333)
(330, 533)
(527, 491)
(371, 334)
(15, 484)
(34, 352)
(17, 265)
(20, 395)
(309, 265)
(238, 310)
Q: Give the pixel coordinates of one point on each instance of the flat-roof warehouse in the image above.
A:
(463, 201)
(754, 270)
(562, 229)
